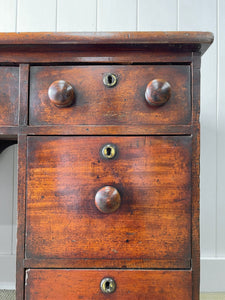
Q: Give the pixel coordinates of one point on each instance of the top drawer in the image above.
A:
(95, 103)
(9, 93)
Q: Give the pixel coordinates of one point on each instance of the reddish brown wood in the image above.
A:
(165, 37)
(158, 92)
(61, 93)
(105, 263)
(72, 54)
(99, 105)
(85, 284)
(9, 132)
(198, 41)
(153, 221)
(107, 130)
(195, 177)
(24, 89)
(9, 94)
(162, 216)
(21, 216)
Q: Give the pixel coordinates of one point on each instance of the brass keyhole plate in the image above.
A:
(108, 285)
(109, 151)
(109, 80)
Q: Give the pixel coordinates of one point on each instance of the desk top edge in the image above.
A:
(197, 38)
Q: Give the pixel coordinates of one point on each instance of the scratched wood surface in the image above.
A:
(9, 93)
(85, 284)
(96, 104)
(153, 221)
(180, 15)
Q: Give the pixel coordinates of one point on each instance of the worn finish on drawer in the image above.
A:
(152, 175)
(96, 104)
(9, 93)
(85, 284)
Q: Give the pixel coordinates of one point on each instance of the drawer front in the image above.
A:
(97, 104)
(152, 175)
(9, 93)
(85, 284)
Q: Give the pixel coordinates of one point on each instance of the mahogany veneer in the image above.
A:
(96, 104)
(108, 166)
(84, 284)
(153, 220)
(9, 94)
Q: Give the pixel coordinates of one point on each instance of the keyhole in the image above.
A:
(109, 151)
(109, 80)
(107, 285)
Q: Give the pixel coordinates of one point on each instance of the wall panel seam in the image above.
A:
(137, 15)
(56, 15)
(16, 15)
(178, 14)
(96, 12)
(97, 15)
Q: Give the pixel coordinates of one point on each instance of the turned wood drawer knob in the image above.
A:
(107, 199)
(158, 92)
(61, 93)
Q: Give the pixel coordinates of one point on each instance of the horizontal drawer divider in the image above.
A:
(107, 130)
(107, 264)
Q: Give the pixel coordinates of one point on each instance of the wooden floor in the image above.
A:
(10, 295)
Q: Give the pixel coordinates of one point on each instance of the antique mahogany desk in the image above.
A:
(107, 126)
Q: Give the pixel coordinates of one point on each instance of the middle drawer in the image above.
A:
(148, 213)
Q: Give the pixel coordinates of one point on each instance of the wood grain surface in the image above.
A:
(201, 40)
(153, 177)
(85, 284)
(9, 94)
(61, 167)
(104, 263)
(77, 54)
(96, 104)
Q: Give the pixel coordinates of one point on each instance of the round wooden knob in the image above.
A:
(107, 199)
(158, 92)
(61, 93)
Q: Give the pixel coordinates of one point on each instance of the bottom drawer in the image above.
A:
(129, 284)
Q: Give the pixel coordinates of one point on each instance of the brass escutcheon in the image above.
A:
(109, 151)
(109, 79)
(108, 285)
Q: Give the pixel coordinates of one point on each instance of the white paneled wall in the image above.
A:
(157, 15)
(76, 15)
(36, 15)
(220, 242)
(116, 15)
(142, 15)
(8, 15)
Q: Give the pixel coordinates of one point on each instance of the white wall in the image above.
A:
(121, 15)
